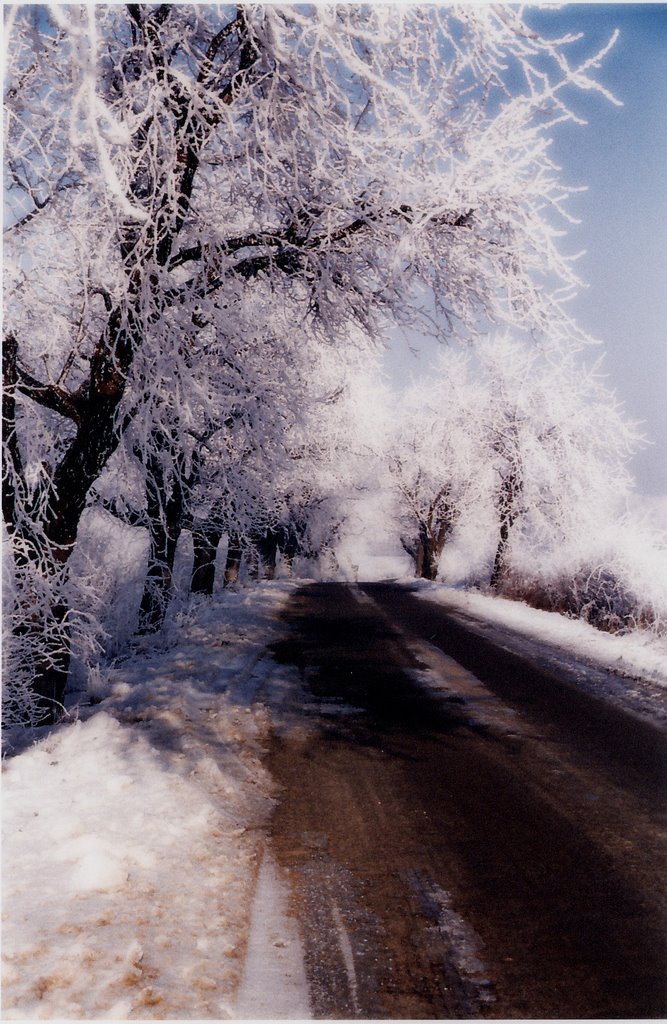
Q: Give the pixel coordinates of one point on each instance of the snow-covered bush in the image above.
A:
(617, 581)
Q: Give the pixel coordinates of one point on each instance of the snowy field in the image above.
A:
(133, 831)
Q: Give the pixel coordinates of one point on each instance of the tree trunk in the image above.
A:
(40, 635)
(267, 547)
(165, 518)
(159, 577)
(205, 543)
(499, 566)
(429, 568)
(270, 558)
(42, 640)
(429, 549)
(420, 557)
(234, 555)
(42, 550)
(430, 558)
(510, 491)
(292, 546)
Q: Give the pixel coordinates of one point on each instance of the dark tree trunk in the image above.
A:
(269, 559)
(233, 564)
(510, 491)
(418, 552)
(159, 578)
(291, 546)
(429, 549)
(267, 548)
(499, 561)
(429, 568)
(420, 560)
(430, 557)
(43, 548)
(205, 543)
(40, 634)
(44, 645)
(165, 517)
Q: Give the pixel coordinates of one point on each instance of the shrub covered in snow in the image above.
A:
(624, 588)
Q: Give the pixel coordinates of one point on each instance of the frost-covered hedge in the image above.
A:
(624, 590)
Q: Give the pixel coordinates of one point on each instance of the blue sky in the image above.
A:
(621, 156)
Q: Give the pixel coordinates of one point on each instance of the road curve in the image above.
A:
(459, 845)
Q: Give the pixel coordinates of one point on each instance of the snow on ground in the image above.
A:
(132, 831)
(636, 655)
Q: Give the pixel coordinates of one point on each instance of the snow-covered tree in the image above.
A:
(558, 443)
(161, 159)
(534, 434)
(436, 460)
(294, 464)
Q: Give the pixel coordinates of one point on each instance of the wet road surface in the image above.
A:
(458, 845)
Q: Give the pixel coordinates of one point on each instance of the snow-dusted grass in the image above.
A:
(636, 655)
(131, 831)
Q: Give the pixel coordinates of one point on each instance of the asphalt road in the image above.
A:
(459, 845)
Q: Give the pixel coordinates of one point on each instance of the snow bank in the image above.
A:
(635, 655)
(131, 839)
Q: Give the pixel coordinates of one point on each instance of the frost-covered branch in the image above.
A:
(51, 396)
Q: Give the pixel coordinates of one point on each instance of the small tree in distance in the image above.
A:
(535, 436)
(558, 444)
(436, 461)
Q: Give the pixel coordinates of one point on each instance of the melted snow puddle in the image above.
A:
(274, 984)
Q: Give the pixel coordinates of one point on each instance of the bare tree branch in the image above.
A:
(51, 396)
(214, 47)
